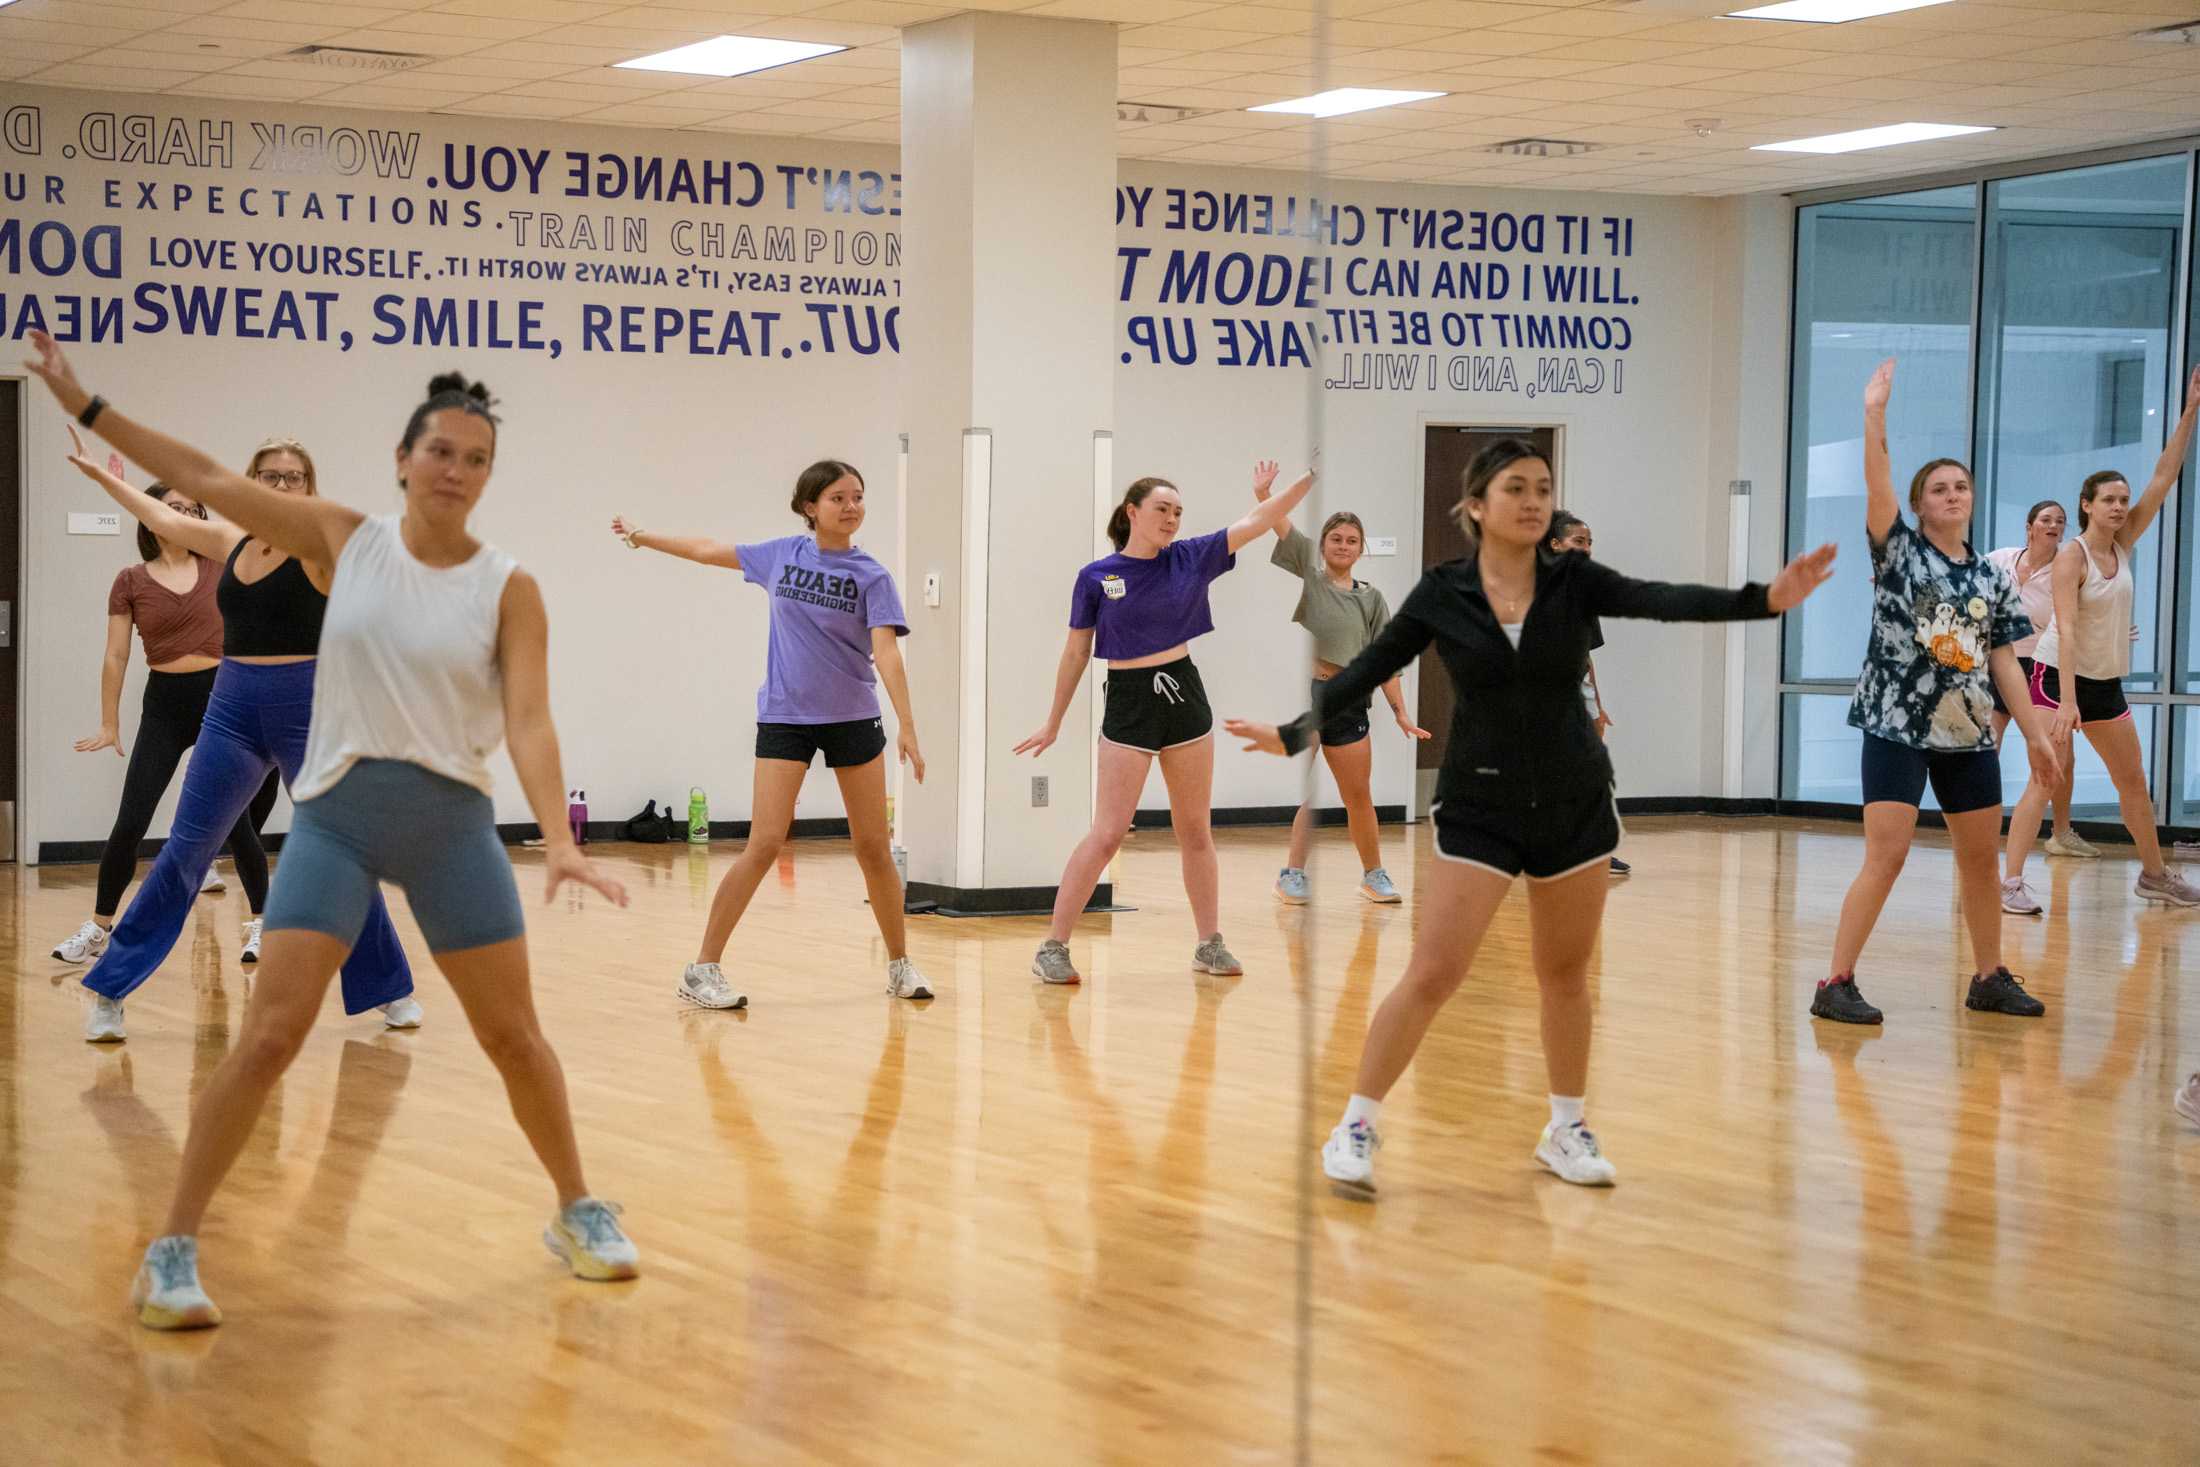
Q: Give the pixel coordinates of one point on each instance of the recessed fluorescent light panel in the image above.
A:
(1871, 137)
(730, 56)
(1829, 12)
(1338, 102)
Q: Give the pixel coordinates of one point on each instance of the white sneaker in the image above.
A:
(401, 1013)
(82, 945)
(588, 1237)
(705, 984)
(904, 981)
(2072, 844)
(103, 1025)
(2017, 898)
(213, 881)
(1348, 1158)
(1572, 1152)
(251, 953)
(166, 1293)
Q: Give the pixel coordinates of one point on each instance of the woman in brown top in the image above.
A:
(169, 599)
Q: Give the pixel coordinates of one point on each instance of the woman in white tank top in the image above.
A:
(434, 650)
(2079, 665)
(2031, 568)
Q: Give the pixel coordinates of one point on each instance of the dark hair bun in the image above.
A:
(455, 382)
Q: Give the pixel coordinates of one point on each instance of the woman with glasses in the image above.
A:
(169, 599)
(271, 605)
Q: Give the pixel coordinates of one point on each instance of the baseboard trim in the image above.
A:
(1265, 815)
(998, 901)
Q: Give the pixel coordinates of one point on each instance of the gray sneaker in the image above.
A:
(1213, 957)
(705, 985)
(904, 981)
(1052, 964)
(2017, 898)
(1377, 886)
(1292, 888)
(2168, 887)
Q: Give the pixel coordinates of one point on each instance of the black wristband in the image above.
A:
(91, 412)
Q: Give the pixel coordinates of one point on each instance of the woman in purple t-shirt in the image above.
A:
(1138, 610)
(835, 616)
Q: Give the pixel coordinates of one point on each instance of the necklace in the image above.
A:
(1510, 606)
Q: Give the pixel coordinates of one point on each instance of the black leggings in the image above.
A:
(175, 706)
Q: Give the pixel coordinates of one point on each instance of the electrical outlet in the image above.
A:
(1038, 791)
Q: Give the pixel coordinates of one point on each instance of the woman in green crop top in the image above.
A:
(1343, 615)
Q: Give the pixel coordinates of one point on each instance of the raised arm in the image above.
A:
(1881, 508)
(111, 669)
(213, 539)
(701, 550)
(886, 657)
(1264, 483)
(1076, 652)
(1273, 513)
(523, 660)
(305, 525)
(2166, 469)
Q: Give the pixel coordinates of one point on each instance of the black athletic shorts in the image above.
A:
(1963, 780)
(1156, 708)
(1345, 726)
(2024, 670)
(1546, 841)
(2100, 699)
(845, 745)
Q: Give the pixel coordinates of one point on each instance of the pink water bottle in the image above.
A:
(576, 814)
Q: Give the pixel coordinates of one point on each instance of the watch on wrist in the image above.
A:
(91, 412)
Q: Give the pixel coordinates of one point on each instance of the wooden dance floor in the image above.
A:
(1024, 1225)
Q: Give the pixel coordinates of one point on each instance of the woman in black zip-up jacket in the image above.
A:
(1526, 786)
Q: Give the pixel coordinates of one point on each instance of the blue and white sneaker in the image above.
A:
(1377, 886)
(1348, 1159)
(1292, 887)
(166, 1294)
(588, 1237)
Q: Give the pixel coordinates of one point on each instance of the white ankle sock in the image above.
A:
(1360, 1108)
(1567, 1110)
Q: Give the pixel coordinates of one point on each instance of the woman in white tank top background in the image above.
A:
(2083, 654)
(2031, 567)
(434, 651)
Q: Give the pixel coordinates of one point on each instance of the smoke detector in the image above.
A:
(1704, 127)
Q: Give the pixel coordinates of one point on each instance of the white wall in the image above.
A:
(655, 663)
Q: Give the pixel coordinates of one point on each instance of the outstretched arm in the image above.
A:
(1076, 652)
(1378, 663)
(1611, 594)
(305, 525)
(2166, 469)
(1273, 513)
(698, 548)
(213, 539)
(1264, 483)
(523, 658)
(1881, 508)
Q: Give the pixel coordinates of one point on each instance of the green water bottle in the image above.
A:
(698, 817)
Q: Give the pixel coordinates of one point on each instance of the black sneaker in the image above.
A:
(1621, 868)
(1840, 1002)
(2002, 992)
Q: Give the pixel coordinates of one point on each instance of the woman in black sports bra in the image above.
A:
(271, 605)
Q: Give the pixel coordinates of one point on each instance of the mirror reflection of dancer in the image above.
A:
(1944, 622)
(836, 630)
(1569, 531)
(1342, 615)
(2030, 567)
(437, 650)
(1138, 611)
(2083, 656)
(1526, 787)
(169, 601)
(272, 604)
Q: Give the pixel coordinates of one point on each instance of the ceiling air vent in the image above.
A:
(353, 58)
(1541, 148)
(2186, 33)
(1143, 114)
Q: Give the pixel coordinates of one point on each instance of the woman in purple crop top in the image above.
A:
(836, 625)
(1138, 611)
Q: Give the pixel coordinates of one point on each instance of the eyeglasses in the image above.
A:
(282, 478)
